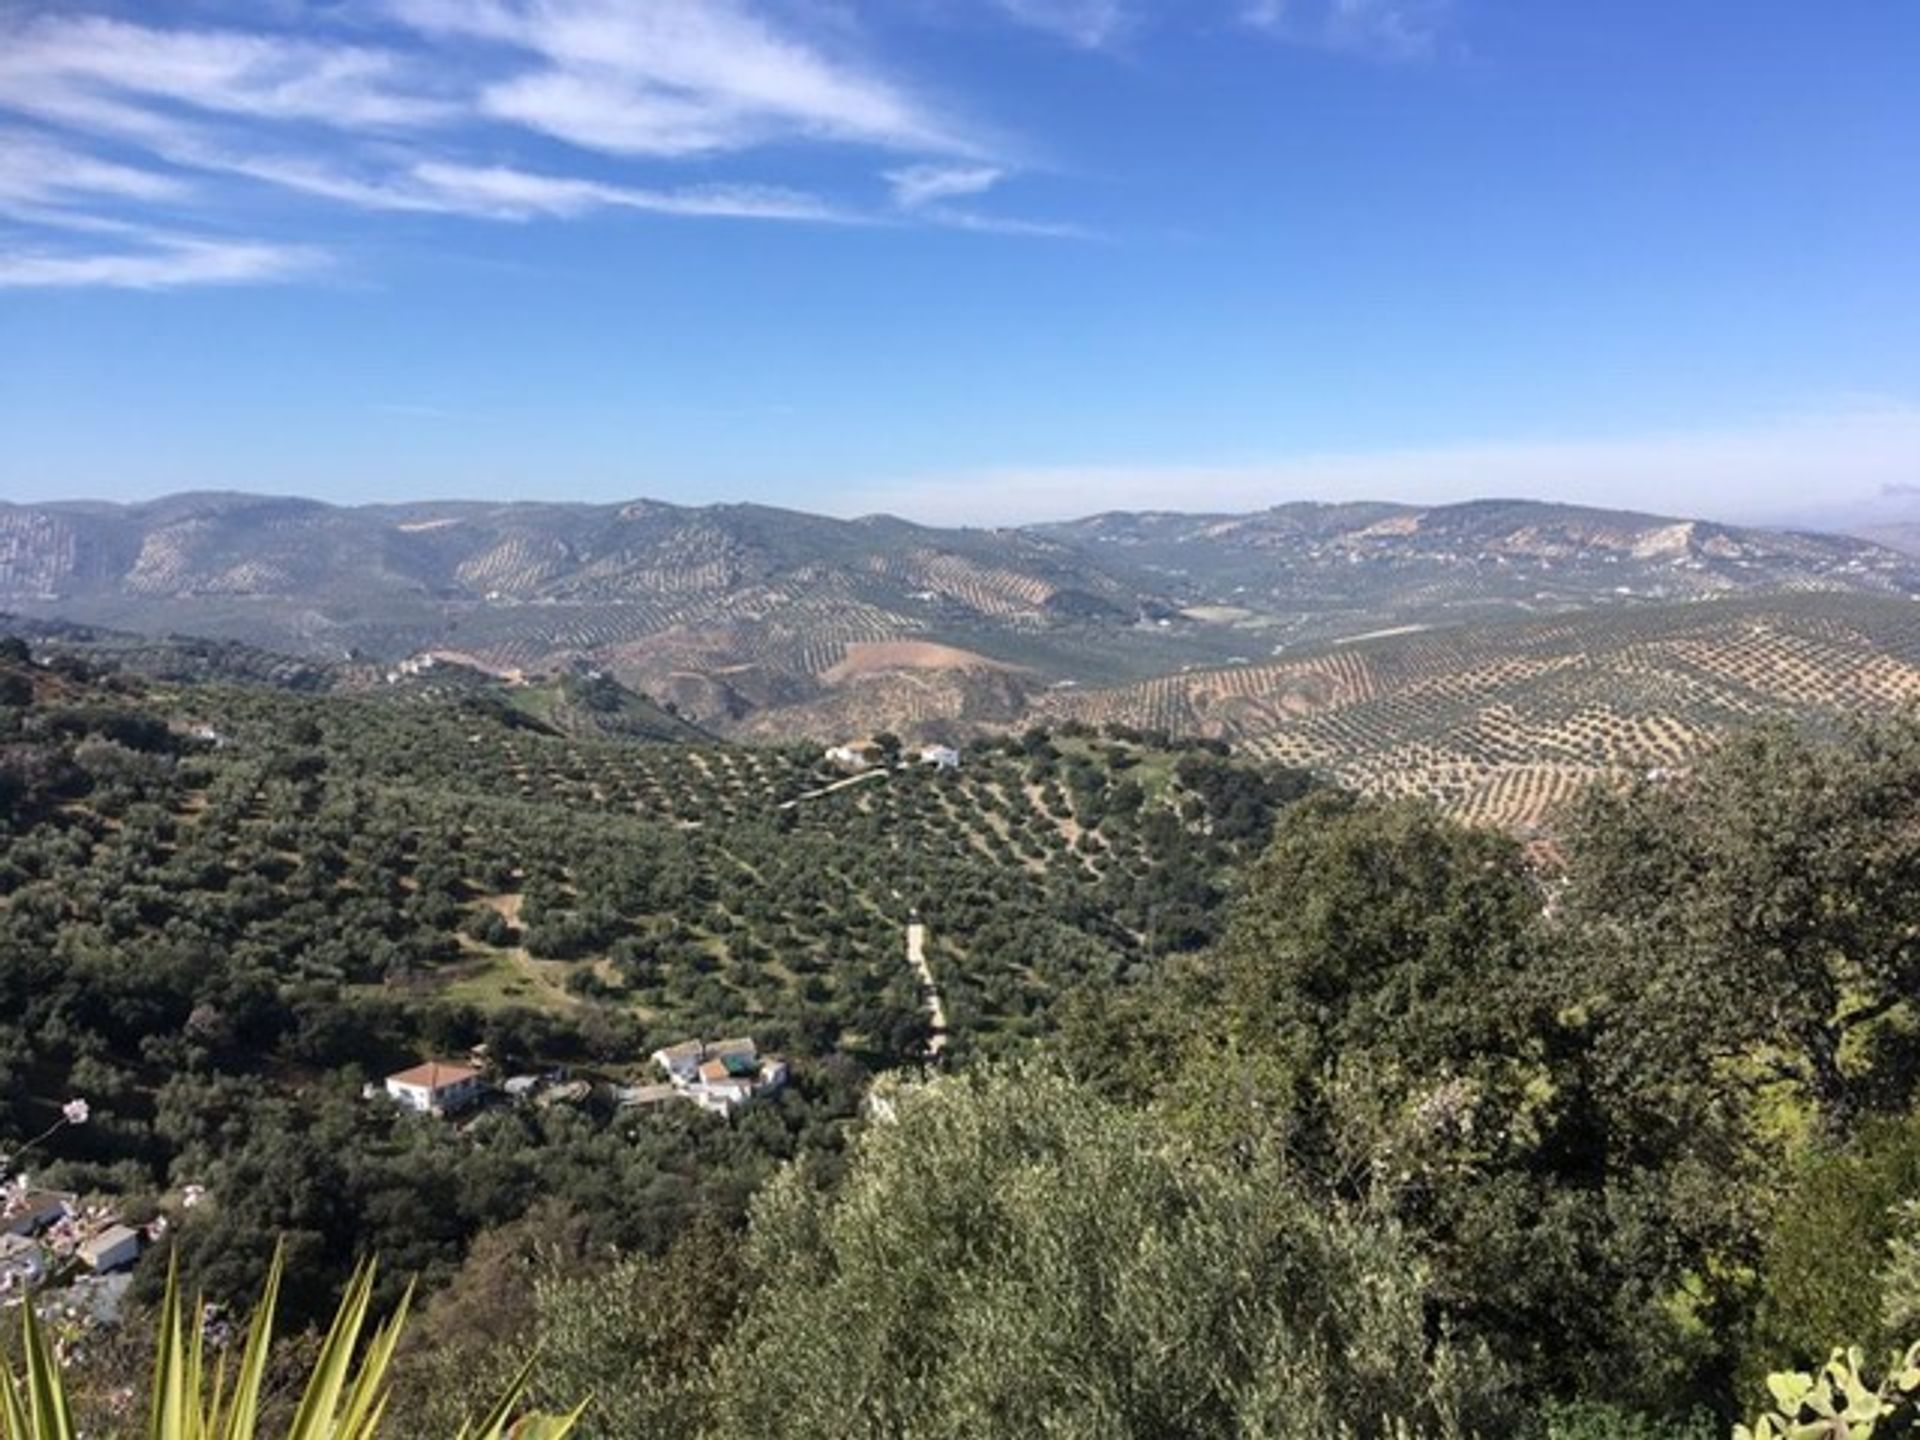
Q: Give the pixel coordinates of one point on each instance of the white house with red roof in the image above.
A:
(436, 1088)
(722, 1075)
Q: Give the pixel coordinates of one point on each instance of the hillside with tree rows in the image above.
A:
(1429, 1135)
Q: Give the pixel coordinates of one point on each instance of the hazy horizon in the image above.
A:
(1892, 503)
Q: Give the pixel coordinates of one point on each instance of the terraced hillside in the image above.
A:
(1503, 722)
(1500, 722)
(768, 623)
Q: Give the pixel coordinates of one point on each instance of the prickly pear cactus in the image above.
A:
(1839, 1404)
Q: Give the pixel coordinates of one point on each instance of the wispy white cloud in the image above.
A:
(509, 194)
(1755, 471)
(92, 68)
(671, 77)
(949, 218)
(927, 192)
(919, 185)
(416, 107)
(125, 127)
(36, 168)
(608, 113)
(422, 185)
(1383, 29)
(1387, 29)
(168, 262)
(679, 77)
(48, 242)
(1090, 24)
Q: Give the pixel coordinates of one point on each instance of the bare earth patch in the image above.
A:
(876, 657)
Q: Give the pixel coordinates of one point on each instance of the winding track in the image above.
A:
(936, 1006)
(879, 772)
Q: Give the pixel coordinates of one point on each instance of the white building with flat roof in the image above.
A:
(113, 1248)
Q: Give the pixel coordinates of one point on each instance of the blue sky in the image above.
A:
(972, 260)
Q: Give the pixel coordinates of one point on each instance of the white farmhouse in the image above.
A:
(435, 1088)
(722, 1088)
(722, 1076)
(941, 757)
(682, 1061)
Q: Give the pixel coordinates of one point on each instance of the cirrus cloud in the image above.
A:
(679, 77)
(506, 110)
(1089, 24)
(1387, 29)
(919, 185)
(164, 262)
(421, 106)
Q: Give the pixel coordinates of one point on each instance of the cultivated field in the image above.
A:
(1502, 723)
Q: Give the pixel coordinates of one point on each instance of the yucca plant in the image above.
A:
(345, 1398)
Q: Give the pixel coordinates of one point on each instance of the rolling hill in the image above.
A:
(734, 611)
(1492, 655)
(1505, 720)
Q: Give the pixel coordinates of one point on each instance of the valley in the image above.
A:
(1492, 657)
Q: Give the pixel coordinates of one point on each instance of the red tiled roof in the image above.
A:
(434, 1075)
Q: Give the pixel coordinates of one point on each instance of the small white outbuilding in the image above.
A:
(113, 1248)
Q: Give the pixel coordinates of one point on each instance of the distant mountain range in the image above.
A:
(1900, 535)
(792, 594)
(1890, 518)
(769, 620)
(1491, 655)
